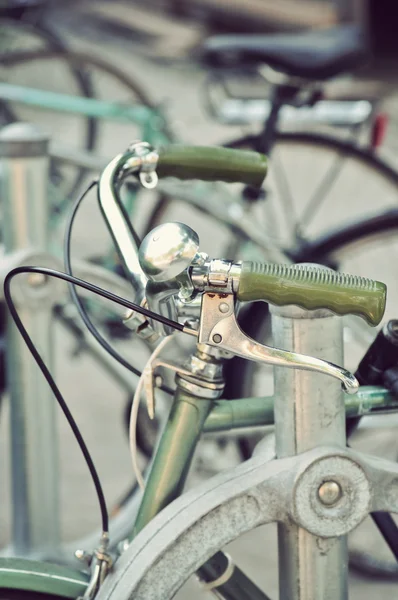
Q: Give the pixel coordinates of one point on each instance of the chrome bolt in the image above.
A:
(329, 493)
(84, 557)
(223, 307)
(123, 546)
(36, 279)
(217, 338)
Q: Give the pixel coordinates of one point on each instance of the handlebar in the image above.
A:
(184, 162)
(171, 263)
(209, 163)
(119, 224)
(311, 287)
(303, 285)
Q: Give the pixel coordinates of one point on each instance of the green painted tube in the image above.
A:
(173, 458)
(370, 399)
(43, 577)
(252, 412)
(89, 107)
(311, 288)
(246, 412)
(190, 416)
(210, 163)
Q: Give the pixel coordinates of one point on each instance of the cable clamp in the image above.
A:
(100, 565)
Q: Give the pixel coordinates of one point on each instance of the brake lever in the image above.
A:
(219, 328)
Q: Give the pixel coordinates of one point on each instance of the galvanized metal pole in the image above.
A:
(34, 456)
(309, 412)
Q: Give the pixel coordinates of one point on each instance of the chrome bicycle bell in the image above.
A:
(167, 251)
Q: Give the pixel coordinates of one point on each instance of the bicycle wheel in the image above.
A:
(328, 183)
(53, 71)
(353, 183)
(345, 223)
(19, 38)
(232, 508)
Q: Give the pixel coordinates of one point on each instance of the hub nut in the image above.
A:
(329, 493)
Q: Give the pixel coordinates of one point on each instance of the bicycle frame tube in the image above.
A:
(147, 118)
(174, 454)
(45, 578)
(254, 412)
(190, 416)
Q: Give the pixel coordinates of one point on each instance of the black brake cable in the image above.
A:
(77, 301)
(41, 364)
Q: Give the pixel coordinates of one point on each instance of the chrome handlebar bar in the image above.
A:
(139, 159)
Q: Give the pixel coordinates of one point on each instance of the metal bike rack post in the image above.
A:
(309, 412)
(34, 457)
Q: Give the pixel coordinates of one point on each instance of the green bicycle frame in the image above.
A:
(189, 417)
(44, 578)
(149, 119)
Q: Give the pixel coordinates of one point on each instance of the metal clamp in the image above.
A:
(218, 274)
(100, 564)
(144, 162)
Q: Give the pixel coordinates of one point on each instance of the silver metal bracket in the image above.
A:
(218, 327)
(144, 162)
(216, 275)
(100, 563)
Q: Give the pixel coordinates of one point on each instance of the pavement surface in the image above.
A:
(96, 399)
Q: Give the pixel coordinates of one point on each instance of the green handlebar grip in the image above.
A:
(210, 163)
(311, 287)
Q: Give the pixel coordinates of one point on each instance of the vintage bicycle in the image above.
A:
(347, 247)
(317, 489)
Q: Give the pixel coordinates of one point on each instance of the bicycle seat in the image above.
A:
(320, 54)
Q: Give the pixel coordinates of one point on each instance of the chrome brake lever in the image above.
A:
(219, 328)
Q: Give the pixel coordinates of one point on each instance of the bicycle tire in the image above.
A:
(76, 59)
(370, 159)
(98, 69)
(53, 43)
(239, 373)
(317, 250)
(324, 250)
